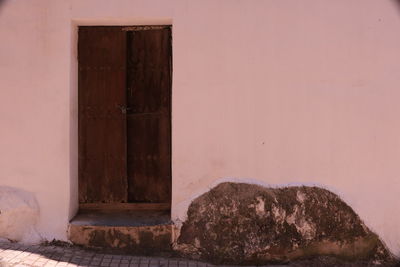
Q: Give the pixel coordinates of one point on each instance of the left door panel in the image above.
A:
(102, 118)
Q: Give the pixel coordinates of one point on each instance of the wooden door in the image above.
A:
(149, 115)
(102, 122)
(124, 114)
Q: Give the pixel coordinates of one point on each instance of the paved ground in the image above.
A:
(14, 254)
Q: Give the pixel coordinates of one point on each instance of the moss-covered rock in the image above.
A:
(249, 224)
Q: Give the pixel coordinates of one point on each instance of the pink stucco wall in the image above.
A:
(274, 91)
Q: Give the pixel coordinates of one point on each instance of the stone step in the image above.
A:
(141, 231)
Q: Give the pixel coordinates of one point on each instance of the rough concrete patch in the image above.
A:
(19, 213)
(249, 224)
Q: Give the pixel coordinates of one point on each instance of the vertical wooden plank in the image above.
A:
(102, 124)
(149, 115)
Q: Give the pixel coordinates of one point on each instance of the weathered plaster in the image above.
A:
(19, 213)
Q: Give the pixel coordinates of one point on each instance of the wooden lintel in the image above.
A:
(145, 27)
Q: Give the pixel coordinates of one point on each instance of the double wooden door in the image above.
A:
(124, 114)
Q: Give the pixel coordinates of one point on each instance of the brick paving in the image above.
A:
(18, 255)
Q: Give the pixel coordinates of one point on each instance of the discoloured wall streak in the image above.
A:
(251, 224)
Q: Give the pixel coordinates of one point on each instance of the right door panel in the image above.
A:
(149, 115)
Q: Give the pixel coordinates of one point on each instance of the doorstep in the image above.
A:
(145, 231)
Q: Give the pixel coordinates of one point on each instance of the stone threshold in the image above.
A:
(139, 231)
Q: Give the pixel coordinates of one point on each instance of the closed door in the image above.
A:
(124, 114)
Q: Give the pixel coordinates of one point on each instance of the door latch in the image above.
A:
(123, 109)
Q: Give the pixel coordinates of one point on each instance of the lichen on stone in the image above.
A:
(249, 224)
